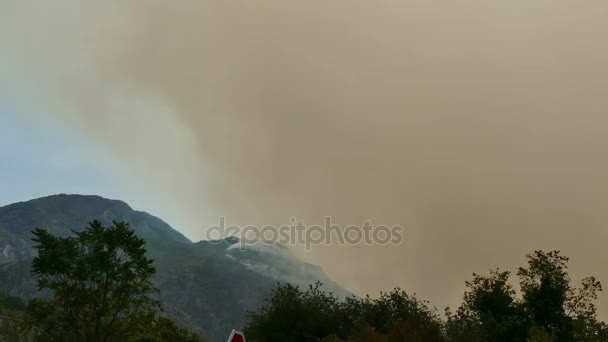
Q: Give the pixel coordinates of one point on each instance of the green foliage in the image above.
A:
(204, 286)
(538, 334)
(11, 314)
(100, 286)
(394, 315)
(489, 311)
(295, 315)
(545, 286)
(549, 309)
(152, 328)
(11, 305)
(97, 285)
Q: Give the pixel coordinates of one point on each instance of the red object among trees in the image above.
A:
(236, 336)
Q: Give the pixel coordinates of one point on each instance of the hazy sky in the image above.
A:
(480, 126)
(36, 162)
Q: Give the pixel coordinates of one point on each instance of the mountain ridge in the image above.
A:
(206, 286)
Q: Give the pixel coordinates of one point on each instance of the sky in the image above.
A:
(38, 160)
(42, 154)
(478, 126)
(44, 157)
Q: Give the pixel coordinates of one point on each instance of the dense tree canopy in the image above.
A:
(292, 314)
(97, 286)
(549, 309)
(100, 280)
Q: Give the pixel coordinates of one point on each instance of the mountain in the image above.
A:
(205, 286)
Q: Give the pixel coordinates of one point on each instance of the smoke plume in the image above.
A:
(478, 126)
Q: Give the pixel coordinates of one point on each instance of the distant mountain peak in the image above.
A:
(73, 197)
(207, 286)
(63, 213)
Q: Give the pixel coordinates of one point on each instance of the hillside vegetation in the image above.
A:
(549, 309)
(205, 286)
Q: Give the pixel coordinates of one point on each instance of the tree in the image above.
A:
(394, 315)
(546, 289)
(552, 304)
(295, 315)
(549, 309)
(537, 334)
(11, 318)
(490, 312)
(153, 328)
(100, 284)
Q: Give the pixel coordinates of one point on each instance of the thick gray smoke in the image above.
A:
(480, 126)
